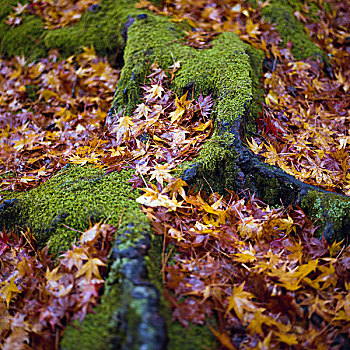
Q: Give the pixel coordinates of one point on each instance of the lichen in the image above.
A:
(332, 213)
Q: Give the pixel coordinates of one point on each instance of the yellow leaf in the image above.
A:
(244, 257)
(181, 105)
(289, 339)
(255, 147)
(252, 29)
(176, 187)
(176, 114)
(90, 269)
(9, 291)
(202, 126)
(335, 248)
(161, 173)
(88, 54)
(223, 338)
(176, 234)
(258, 319)
(239, 301)
(153, 198)
(123, 128)
(26, 179)
(156, 90)
(271, 98)
(90, 234)
(142, 110)
(53, 275)
(48, 94)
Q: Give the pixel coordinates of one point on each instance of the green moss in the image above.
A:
(98, 329)
(71, 198)
(102, 29)
(229, 70)
(25, 39)
(159, 43)
(195, 336)
(269, 188)
(281, 13)
(332, 212)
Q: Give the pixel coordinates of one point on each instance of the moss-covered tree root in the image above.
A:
(127, 317)
(230, 71)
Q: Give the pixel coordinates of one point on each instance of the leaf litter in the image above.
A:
(259, 271)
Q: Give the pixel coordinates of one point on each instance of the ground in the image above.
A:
(133, 313)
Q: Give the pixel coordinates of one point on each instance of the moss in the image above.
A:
(332, 211)
(71, 198)
(159, 43)
(98, 329)
(281, 13)
(102, 29)
(230, 70)
(196, 336)
(25, 39)
(270, 188)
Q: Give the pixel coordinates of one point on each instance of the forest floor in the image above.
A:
(260, 271)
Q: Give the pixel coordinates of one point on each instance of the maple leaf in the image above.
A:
(289, 339)
(239, 301)
(123, 129)
(155, 91)
(254, 146)
(258, 320)
(176, 187)
(176, 234)
(9, 291)
(161, 174)
(74, 257)
(271, 98)
(90, 269)
(252, 29)
(142, 110)
(53, 275)
(223, 338)
(153, 198)
(92, 233)
(181, 105)
(91, 158)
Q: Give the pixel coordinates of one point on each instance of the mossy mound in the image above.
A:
(101, 27)
(281, 14)
(332, 211)
(72, 198)
(229, 70)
